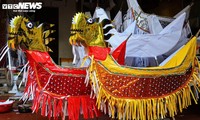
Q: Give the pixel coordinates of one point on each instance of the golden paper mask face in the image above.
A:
(85, 30)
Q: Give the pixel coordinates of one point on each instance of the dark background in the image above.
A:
(49, 15)
(44, 15)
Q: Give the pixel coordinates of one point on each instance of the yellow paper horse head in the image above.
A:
(25, 34)
(87, 31)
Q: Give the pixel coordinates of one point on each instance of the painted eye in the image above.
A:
(29, 25)
(90, 21)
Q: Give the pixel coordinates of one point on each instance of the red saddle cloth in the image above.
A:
(58, 91)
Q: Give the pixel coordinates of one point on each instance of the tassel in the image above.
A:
(90, 107)
(55, 103)
(64, 110)
(96, 111)
(27, 74)
(84, 102)
(35, 102)
(87, 78)
(39, 102)
(49, 107)
(44, 105)
(74, 107)
(24, 74)
(192, 95)
(70, 109)
(60, 107)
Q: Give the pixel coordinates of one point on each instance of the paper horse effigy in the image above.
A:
(55, 91)
(136, 93)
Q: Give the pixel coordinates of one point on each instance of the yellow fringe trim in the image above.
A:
(147, 108)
